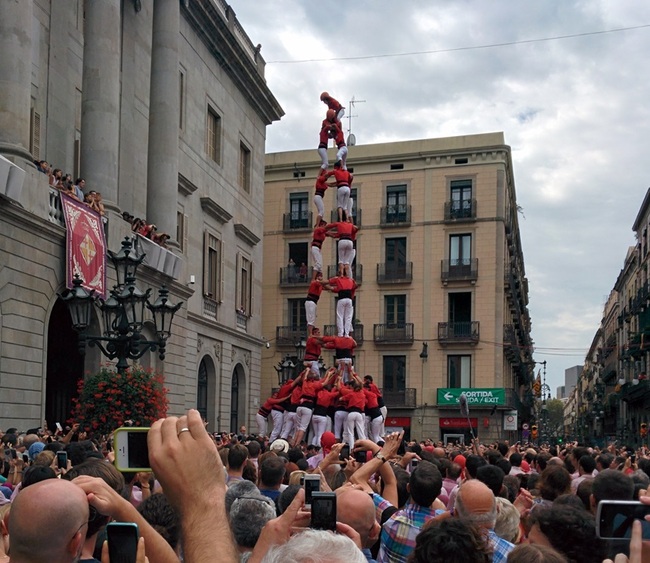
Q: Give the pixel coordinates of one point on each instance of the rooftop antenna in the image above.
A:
(352, 140)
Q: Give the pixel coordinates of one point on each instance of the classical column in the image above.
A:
(15, 78)
(164, 100)
(100, 98)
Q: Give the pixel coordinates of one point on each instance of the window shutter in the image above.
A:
(206, 263)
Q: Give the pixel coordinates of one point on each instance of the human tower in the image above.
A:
(340, 401)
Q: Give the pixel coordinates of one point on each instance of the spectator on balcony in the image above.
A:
(42, 166)
(302, 272)
(56, 177)
(291, 271)
(79, 185)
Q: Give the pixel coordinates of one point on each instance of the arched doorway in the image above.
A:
(238, 398)
(206, 393)
(65, 366)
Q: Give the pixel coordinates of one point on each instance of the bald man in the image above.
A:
(356, 509)
(48, 522)
(475, 502)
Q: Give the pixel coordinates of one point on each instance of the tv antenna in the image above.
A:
(352, 140)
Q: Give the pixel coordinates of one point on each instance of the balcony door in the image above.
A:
(395, 257)
(460, 314)
(299, 208)
(461, 198)
(460, 254)
(394, 374)
(396, 204)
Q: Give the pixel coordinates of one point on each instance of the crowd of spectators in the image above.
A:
(147, 230)
(76, 190)
(236, 497)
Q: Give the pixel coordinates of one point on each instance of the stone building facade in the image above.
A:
(161, 106)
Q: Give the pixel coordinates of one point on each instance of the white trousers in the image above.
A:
(262, 424)
(320, 207)
(278, 420)
(340, 424)
(310, 312)
(317, 259)
(323, 157)
(355, 422)
(319, 426)
(303, 418)
(288, 423)
(342, 155)
(346, 251)
(384, 414)
(344, 313)
(373, 428)
(343, 197)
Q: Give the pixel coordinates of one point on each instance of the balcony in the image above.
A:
(395, 216)
(458, 211)
(357, 332)
(400, 399)
(393, 333)
(390, 272)
(458, 333)
(356, 216)
(510, 348)
(287, 336)
(357, 272)
(291, 277)
(242, 320)
(297, 221)
(459, 270)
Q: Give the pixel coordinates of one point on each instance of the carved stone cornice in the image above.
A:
(213, 209)
(246, 234)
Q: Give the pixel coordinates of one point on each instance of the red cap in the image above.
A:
(327, 440)
(460, 460)
(428, 449)
(525, 466)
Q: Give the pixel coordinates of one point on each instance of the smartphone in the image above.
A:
(614, 518)
(13, 453)
(360, 457)
(131, 450)
(312, 485)
(122, 541)
(59, 427)
(344, 453)
(62, 460)
(323, 511)
(414, 463)
(25, 458)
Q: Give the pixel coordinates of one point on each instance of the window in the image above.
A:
(460, 250)
(299, 210)
(396, 208)
(394, 373)
(353, 201)
(213, 136)
(396, 257)
(181, 99)
(244, 167)
(35, 133)
(297, 266)
(244, 285)
(460, 315)
(458, 371)
(212, 268)
(461, 198)
(181, 229)
(202, 390)
(395, 310)
(297, 319)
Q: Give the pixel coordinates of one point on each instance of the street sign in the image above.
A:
(478, 397)
(525, 426)
(510, 420)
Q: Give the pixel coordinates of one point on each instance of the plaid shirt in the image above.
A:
(399, 532)
(500, 546)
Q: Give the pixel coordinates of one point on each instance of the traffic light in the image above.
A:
(560, 440)
(534, 431)
(644, 429)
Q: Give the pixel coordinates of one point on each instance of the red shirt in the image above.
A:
(371, 399)
(333, 104)
(315, 290)
(340, 342)
(313, 349)
(295, 395)
(310, 388)
(342, 284)
(326, 398)
(321, 184)
(345, 230)
(319, 236)
(342, 177)
(355, 398)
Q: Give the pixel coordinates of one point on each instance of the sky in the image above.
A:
(566, 81)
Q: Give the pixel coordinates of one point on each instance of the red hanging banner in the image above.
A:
(85, 245)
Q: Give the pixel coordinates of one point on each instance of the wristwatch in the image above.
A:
(380, 456)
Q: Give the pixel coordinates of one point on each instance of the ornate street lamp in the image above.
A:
(123, 313)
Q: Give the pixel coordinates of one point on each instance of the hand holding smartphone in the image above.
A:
(122, 542)
(614, 518)
(323, 511)
(131, 449)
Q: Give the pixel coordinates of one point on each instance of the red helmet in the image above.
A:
(323, 96)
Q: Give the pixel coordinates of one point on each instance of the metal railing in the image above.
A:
(297, 221)
(459, 269)
(460, 210)
(458, 332)
(357, 332)
(356, 216)
(289, 335)
(390, 272)
(401, 398)
(291, 276)
(395, 215)
(393, 333)
(357, 272)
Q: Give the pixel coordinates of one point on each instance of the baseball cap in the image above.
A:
(327, 440)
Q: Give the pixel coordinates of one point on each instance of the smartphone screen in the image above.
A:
(323, 511)
(62, 460)
(360, 457)
(312, 485)
(414, 463)
(131, 450)
(345, 453)
(122, 541)
(614, 519)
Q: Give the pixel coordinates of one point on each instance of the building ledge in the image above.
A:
(246, 234)
(213, 209)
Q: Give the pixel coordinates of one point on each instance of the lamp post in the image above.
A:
(123, 312)
(286, 369)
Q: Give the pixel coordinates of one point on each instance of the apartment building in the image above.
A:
(441, 306)
(162, 107)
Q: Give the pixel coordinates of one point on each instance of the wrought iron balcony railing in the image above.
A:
(460, 210)
(400, 398)
(395, 216)
(297, 221)
(357, 272)
(465, 269)
(463, 332)
(290, 276)
(393, 333)
(390, 272)
(357, 332)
